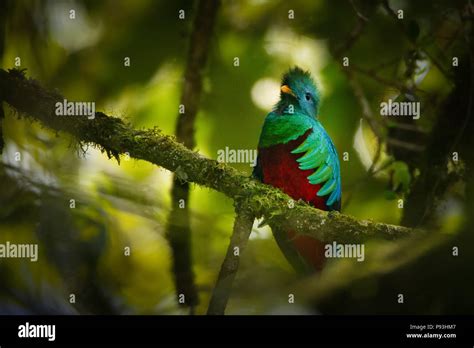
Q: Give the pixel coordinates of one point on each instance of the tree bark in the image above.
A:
(179, 228)
(242, 228)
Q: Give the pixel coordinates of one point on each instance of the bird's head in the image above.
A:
(298, 89)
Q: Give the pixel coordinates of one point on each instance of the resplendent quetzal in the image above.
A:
(296, 155)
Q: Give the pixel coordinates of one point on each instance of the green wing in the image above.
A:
(320, 154)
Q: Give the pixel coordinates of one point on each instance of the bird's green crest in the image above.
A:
(298, 91)
(297, 74)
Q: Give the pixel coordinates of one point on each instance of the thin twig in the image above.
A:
(370, 173)
(353, 35)
(242, 228)
(408, 127)
(373, 75)
(405, 145)
(387, 64)
(367, 112)
(359, 14)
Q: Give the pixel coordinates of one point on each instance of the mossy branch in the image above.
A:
(115, 137)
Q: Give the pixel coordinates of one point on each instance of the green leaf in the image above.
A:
(390, 195)
(401, 176)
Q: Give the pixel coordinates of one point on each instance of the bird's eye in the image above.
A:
(308, 96)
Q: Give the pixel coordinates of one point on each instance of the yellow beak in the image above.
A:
(287, 90)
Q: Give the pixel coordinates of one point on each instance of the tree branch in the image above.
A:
(179, 229)
(114, 136)
(242, 228)
(367, 112)
(197, 56)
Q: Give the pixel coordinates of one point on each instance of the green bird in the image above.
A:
(297, 155)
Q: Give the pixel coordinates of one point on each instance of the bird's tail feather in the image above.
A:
(304, 253)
